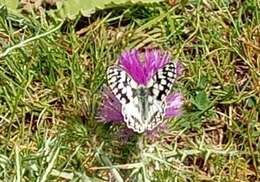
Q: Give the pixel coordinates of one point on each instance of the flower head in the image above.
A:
(141, 70)
(110, 109)
(174, 103)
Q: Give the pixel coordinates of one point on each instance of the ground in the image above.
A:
(52, 74)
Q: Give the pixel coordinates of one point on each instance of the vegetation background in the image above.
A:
(52, 68)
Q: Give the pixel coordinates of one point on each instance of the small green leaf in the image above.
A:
(201, 100)
(202, 82)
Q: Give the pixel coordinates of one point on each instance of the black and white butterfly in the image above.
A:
(143, 106)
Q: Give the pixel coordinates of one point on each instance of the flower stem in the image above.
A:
(141, 144)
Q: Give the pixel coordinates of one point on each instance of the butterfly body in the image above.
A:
(143, 106)
(142, 102)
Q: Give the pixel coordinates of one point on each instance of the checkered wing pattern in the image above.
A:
(142, 106)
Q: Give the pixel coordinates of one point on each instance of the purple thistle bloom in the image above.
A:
(174, 103)
(110, 109)
(141, 71)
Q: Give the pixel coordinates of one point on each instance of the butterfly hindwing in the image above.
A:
(156, 115)
(132, 117)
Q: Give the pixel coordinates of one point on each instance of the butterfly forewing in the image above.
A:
(163, 81)
(120, 83)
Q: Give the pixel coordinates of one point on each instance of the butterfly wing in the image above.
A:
(156, 113)
(120, 84)
(124, 87)
(161, 83)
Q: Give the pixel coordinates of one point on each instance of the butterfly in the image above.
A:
(143, 106)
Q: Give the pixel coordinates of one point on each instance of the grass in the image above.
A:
(51, 76)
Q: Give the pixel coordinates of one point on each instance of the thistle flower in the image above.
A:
(141, 71)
